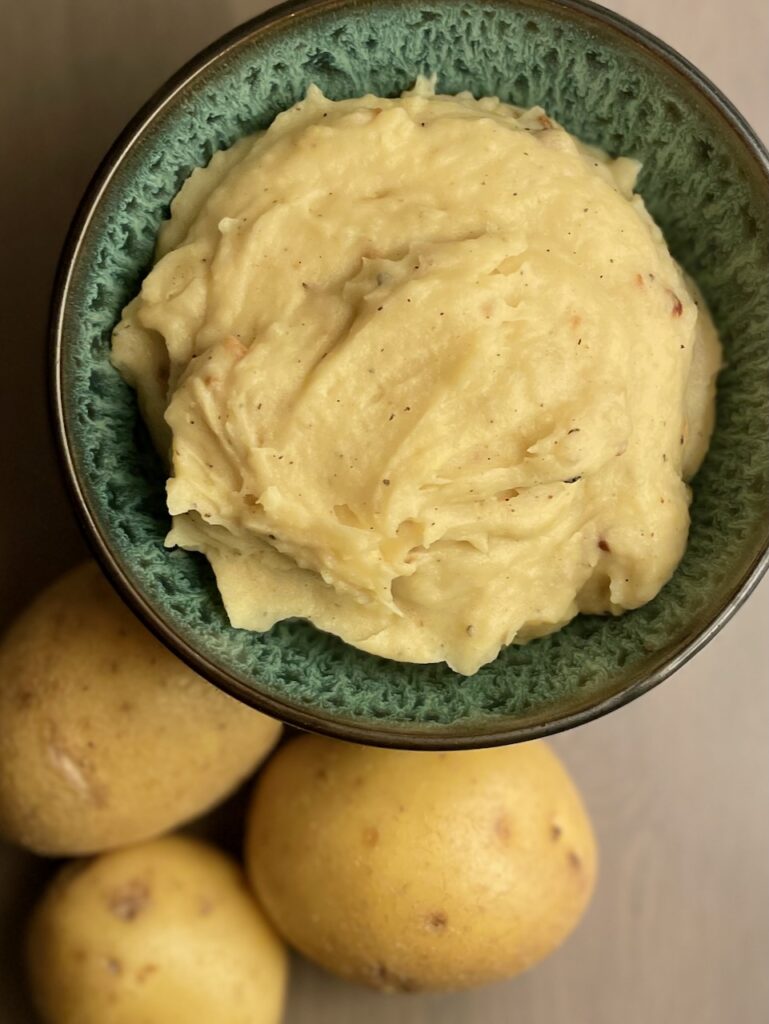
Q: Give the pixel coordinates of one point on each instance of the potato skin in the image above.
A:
(161, 932)
(106, 738)
(408, 871)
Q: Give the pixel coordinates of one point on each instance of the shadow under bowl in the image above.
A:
(705, 179)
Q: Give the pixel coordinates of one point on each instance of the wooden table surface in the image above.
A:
(677, 783)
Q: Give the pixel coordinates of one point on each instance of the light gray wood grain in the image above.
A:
(677, 782)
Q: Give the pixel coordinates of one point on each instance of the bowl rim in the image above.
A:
(415, 738)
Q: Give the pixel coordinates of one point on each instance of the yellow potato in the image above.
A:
(106, 738)
(409, 871)
(162, 933)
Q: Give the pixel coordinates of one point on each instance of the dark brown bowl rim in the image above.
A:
(426, 738)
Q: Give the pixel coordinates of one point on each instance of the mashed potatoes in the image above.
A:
(427, 376)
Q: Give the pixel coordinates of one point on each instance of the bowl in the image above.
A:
(705, 179)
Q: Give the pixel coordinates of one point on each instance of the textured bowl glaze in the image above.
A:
(705, 179)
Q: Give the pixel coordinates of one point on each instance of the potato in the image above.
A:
(154, 934)
(106, 738)
(410, 871)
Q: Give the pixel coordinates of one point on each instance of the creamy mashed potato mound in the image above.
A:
(425, 374)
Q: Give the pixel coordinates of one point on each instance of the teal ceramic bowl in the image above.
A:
(706, 180)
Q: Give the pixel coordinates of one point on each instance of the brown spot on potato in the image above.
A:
(390, 981)
(437, 921)
(502, 828)
(604, 545)
(129, 900)
(114, 966)
(370, 836)
(145, 971)
(321, 774)
(575, 860)
(555, 832)
(205, 906)
(639, 280)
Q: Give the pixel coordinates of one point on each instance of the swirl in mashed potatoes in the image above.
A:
(426, 374)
